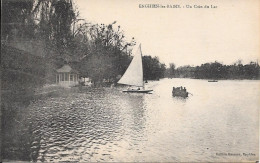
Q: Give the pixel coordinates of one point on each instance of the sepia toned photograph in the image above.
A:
(130, 80)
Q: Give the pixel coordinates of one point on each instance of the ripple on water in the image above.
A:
(108, 125)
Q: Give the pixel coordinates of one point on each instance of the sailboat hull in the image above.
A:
(137, 91)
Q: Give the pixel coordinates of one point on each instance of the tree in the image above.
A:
(55, 21)
(153, 69)
(16, 19)
(107, 52)
(172, 69)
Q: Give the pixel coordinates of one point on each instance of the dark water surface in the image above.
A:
(109, 125)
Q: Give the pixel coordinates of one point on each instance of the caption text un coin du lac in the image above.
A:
(177, 6)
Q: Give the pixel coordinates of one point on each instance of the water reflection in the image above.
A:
(16, 136)
(180, 99)
(87, 128)
(107, 125)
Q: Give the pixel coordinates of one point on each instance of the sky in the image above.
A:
(184, 36)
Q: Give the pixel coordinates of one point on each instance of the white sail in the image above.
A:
(134, 73)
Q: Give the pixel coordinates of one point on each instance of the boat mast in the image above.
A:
(142, 64)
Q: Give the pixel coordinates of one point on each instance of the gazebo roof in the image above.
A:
(66, 68)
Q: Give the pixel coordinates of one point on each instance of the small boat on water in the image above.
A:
(133, 76)
(179, 92)
(212, 81)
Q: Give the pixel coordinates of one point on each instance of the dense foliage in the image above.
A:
(153, 69)
(98, 51)
(217, 70)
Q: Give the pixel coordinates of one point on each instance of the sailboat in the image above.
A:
(133, 76)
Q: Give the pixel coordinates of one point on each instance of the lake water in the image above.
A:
(218, 122)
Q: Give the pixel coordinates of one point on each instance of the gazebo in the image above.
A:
(66, 76)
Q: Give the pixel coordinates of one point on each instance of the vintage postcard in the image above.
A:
(130, 80)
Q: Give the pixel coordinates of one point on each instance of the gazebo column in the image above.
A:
(57, 78)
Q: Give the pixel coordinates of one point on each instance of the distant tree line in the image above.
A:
(216, 70)
(98, 51)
